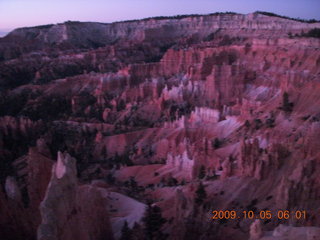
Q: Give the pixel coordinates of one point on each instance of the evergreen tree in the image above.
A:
(201, 194)
(126, 232)
(104, 151)
(286, 104)
(216, 143)
(172, 181)
(183, 182)
(133, 187)
(153, 221)
(121, 105)
(192, 229)
(202, 172)
(137, 232)
(132, 183)
(247, 124)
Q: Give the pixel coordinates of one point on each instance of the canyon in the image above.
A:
(107, 127)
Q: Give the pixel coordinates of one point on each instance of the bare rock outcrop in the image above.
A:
(256, 230)
(283, 232)
(69, 211)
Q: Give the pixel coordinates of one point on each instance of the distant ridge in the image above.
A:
(180, 16)
(91, 35)
(221, 13)
(289, 18)
(46, 26)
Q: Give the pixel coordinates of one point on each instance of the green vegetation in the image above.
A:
(118, 160)
(39, 27)
(258, 123)
(50, 107)
(223, 13)
(181, 16)
(270, 122)
(126, 232)
(153, 222)
(133, 189)
(247, 124)
(315, 33)
(172, 182)
(285, 17)
(286, 104)
(72, 22)
(209, 37)
(136, 232)
(216, 143)
(202, 172)
(201, 194)
(121, 105)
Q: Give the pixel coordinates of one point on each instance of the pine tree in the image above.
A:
(202, 172)
(247, 124)
(216, 143)
(133, 183)
(192, 228)
(104, 151)
(153, 221)
(172, 182)
(126, 232)
(201, 194)
(121, 105)
(183, 182)
(137, 232)
(286, 104)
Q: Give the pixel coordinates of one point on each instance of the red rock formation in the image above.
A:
(150, 108)
(69, 211)
(23, 194)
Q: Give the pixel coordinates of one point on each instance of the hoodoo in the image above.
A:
(187, 127)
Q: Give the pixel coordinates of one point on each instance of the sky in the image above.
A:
(25, 13)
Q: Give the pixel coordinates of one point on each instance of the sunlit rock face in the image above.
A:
(99, 121)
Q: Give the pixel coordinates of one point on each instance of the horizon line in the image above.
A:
(158, 17)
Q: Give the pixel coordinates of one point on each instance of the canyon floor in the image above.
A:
(142, 129)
